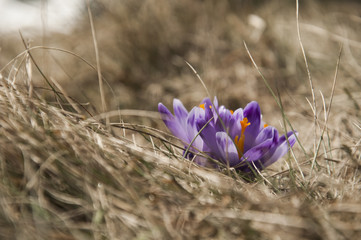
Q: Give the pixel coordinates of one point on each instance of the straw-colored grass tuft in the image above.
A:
(68, 171)
(66, 177)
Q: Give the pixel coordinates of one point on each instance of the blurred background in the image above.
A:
(33, 15)
(144, 45)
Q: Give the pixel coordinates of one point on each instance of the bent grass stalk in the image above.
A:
(190, 144)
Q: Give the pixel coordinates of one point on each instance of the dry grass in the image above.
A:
(67, 173)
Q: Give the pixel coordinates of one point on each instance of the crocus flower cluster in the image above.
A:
(238, 139)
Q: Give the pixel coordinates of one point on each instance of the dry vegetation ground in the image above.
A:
(67, 173)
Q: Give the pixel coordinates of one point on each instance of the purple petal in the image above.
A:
(235, 127)
(172, 123)
(208, 134)
(226, 118)
(207, 101)
(196, 113)
(227, 149)
(258, 151)
(238, 114)
(179, 110)
(264, 145)
(265, 134)
(215, 102)
(180, 113)
(281, 149)
(210, 108)
(207, 108)
(253, 113)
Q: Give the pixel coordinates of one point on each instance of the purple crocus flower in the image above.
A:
(183, 125)
(238, 139)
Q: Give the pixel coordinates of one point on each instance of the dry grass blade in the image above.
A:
(37, 66)
(72, 103)
(309, 78)
(100, 78)
(328, 109)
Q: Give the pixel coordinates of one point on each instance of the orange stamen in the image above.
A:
(265, 125)
(244, 124)
(239, 140)
(231, 111)
(202, 106)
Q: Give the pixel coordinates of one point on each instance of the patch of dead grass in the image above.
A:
(65, 175)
